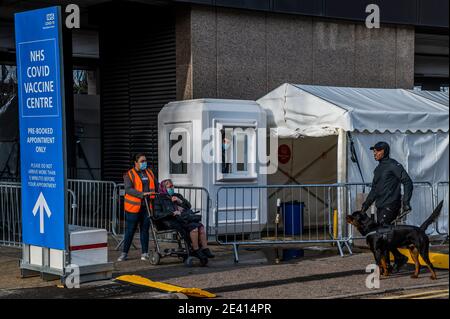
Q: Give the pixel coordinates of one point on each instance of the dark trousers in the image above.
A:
(386, 215)
(132, 221)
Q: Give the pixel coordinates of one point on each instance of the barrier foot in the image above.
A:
(121, 243)
(235, 252)
(113, 236)
(348, 247)
(26, 273)
(341, 245)
(338, 244)
(50, 277)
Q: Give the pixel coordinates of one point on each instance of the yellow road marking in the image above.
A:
(433, 296)
(138, 280)
(418, 294)
(439, 260)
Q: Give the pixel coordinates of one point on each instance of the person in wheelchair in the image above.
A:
(173, 211)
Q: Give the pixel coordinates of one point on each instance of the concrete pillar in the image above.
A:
(232, 53)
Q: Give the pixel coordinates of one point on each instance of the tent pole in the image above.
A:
(341, 178)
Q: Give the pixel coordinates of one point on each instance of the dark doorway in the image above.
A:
(137, 78)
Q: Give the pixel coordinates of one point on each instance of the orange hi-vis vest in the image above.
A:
(132, 204)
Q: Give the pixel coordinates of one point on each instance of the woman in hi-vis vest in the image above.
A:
(139, 182)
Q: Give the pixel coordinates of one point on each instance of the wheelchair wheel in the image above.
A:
(189, 261)
(155, 258)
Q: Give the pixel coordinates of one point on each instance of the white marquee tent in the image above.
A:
(414, 123)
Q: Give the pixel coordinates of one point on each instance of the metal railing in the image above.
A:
(443, 220)
(197, 196)
(200, 201)
(96, 203)
(422, 203)
(91, 203)
(118, 221)
(281, 215)
(242, 214)
(11, 213)
(314, 213)
(9, 180)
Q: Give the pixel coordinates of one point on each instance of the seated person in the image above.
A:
(226, 166)
(169, 207)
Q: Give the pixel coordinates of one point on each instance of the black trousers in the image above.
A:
(386, 215)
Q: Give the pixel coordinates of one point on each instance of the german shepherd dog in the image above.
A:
(381, 240)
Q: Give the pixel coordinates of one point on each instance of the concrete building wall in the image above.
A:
(230, 53)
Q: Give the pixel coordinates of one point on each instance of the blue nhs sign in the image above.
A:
(41, 121)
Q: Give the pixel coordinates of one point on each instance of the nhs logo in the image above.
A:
(50, 17)
(49, 21)
(72, 18)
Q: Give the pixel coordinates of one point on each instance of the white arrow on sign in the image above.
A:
(41, 204)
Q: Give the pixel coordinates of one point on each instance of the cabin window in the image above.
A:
(241, 146)
(237, 151)
(178, 152)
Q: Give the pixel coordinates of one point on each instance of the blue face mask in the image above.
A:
(143, 165)
(170, 191)
(225, 146)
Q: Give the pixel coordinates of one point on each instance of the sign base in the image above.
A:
(86, 260)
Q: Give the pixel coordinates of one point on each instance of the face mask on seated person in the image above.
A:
(170, 191)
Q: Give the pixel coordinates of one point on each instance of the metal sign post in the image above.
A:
(42, 141)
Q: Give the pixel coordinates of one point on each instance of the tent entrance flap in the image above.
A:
(307, 160)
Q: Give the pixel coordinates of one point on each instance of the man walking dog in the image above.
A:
(385, 192)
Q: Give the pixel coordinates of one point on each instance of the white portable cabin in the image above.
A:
(190, 153)
(315, 122)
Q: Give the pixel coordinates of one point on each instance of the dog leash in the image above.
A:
(371, 233)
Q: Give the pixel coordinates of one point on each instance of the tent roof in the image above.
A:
(436, 96)
(295, 109)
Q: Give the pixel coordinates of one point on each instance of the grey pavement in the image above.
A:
(320, 274)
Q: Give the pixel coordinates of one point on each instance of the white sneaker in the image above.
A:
(122, 257)
(145, 257)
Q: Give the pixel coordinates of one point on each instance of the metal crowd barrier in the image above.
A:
(422, 203)
(92, 203)
(197, 196)
(119, 226)
(443, 220)
(11, 213)
(248, 215)
(245, 215)
(281, 215)
(200, 201)
(96, 203)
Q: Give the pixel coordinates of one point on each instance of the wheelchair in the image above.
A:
(183, 250)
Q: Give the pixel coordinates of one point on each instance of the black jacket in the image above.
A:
(385, 192)
(164, 207)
